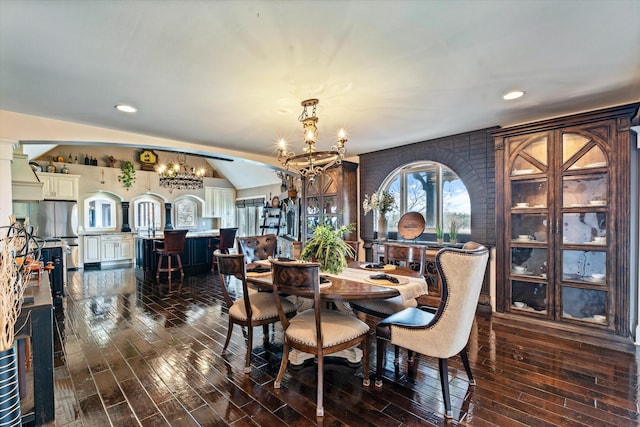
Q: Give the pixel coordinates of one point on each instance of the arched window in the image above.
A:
(432, 189)
(147, 214)
(100, 212)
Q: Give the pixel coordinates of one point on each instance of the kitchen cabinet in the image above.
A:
(564, 216)
(57, 186)
(116, 247)
(108, 249)
(197, 256)
(220, 203)
(331, 199)
(91, 249)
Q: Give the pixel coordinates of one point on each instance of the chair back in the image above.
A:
(232, 265)
(405, 256)
(462, 273)
(256, 248)
(174, 241)
(298, 279)
(227, 239)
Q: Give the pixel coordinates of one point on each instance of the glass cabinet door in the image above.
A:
(528, 228)
(583, 292)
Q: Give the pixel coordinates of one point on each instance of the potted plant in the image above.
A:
(439, 234)
(128, 175)
(453, 231)
(382, 203)
(327, 248)
(17, 251)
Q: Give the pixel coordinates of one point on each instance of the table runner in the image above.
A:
(417, 285)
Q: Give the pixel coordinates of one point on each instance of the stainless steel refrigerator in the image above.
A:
(57, 220)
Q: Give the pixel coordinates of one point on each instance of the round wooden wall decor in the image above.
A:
(411, 225)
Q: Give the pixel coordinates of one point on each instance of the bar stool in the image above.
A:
(173, 245)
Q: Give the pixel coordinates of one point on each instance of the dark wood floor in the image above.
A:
(128, 354)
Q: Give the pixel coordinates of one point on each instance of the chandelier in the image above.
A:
(311, 162)
(179, 176)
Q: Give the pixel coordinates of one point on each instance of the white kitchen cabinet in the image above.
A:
(58, 186)
(91, 249)
(108, 249)
(224, 206)
(220, 203)
(116, 247)
(208, 202)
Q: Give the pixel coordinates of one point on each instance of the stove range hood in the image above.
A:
(25, 185)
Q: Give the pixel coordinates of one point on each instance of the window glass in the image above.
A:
(147, 214)
(100, 212)
(432, 189)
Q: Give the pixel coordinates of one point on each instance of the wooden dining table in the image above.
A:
(345, 287)
(349, 286)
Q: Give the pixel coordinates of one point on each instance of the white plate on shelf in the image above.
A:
(517, 239)
(524, 273)
(593, 280)
(596, 165)
(598, 202)
(522, 171)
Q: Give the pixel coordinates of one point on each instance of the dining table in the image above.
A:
(355, 283)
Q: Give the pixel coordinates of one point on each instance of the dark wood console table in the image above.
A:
(36, 323)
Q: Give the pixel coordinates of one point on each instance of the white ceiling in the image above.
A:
(230, 75)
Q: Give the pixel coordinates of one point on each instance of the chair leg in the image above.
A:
(229, 331)
(467, 367)
(396, 355)
(247, 361)
(365, 360)
(379, 358)
(265, 334)
(444, 382)
(180, 265)
(320, 405)
(158, 269)
(283, 364)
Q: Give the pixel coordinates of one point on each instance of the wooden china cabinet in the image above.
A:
(564, 221)
(331, 198)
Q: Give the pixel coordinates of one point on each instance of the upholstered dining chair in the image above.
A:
(318, 330)
(225, 242)
(256, 248)
(445, 333)
(404, 256)
(171, 246)
(250, 309)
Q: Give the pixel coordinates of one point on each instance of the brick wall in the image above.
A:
(470, 155)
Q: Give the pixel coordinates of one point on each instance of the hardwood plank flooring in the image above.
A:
(130, 352)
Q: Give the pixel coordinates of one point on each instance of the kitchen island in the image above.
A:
(196, 258)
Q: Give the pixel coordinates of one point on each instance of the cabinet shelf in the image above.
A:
(560, 181)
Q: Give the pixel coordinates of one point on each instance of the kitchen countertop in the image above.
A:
(191, 234)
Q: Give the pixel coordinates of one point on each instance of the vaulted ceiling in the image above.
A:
(228, 76)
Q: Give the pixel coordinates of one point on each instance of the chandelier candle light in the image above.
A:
(312, 162)
(179, 176)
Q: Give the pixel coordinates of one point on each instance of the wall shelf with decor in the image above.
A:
(560, 184)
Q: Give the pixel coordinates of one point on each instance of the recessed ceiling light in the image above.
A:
(513, 95)
(126, 108)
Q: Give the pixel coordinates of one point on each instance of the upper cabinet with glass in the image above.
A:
(561, 195)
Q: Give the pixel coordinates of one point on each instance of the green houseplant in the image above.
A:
(327, 248)
(128, 175)
(453, 231)
(439, 234)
